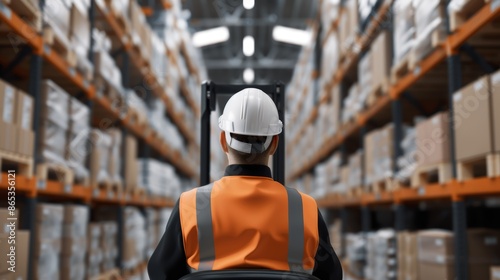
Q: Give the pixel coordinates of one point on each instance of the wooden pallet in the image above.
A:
(379, 90)
(110, 275)
(401, 69)
(28, 11)
(381, 185)
(487, 165)
(51, 171)
(60, 45)
(423, 175)
(459, 17)
(354, 192)
(112, 189)
(23, 165)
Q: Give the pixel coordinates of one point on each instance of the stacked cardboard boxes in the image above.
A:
(381, 256)
(430, 26)
(79, 131)
(105, 157)
(435, 255)
(109, 246)
(348, 26)
(94, 250)
(16, 116)
(351, 104)
(365, 78)
(407, 256)
(74, 242)
(472, 107)
(159, 179)
(355, 165)
(356, 253)
(48, 241)
(484, 252)
(134, 241)
(328, 174)
(22, 242)
(379, 150)
(406, 163)
(404, 30)
(433, 141)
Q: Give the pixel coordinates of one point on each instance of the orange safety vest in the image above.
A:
(249, 222)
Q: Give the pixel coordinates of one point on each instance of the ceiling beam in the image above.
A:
(199, 24)
(241, 64)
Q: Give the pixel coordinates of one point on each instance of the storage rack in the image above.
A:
(455, 191)
(31, 190)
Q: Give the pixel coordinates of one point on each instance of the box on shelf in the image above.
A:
(433, 140)
(435, 255)
(134, 243)
(404, 30)
(79, 131)
(48, 237)
(99, 158)
(379, 149)
(430, 27)
(484, 251)
(7, 117)
(131, 164)
(24, 116)
(381, 255)
(348, 26)
(407, 256)
(381, 62)
(79, 35)
(54, 124)
(355, 165)
(495, 103)
(365, 78)
(473, 117)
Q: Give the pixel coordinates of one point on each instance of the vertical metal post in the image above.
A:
(344, 216)
(366, 219)
(119, 235)
(279, 156)
(28, 220)
(400, 217)
(90, 54)
(362, 134)
(397, 118)
(205, 133)
(454, 84)
(35, 81)
(460, 238)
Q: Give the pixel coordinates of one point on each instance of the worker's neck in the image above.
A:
(232, 160)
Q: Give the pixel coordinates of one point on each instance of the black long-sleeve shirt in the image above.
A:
(169, 260)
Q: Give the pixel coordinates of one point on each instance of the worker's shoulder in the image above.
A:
(192, 192)
(305, 197)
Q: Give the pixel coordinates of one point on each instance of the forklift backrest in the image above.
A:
(257, 274)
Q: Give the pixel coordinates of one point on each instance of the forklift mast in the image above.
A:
(209, 93)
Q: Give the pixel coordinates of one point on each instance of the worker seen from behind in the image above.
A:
(246, 220)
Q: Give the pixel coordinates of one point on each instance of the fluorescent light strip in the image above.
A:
(210, 36)
(291, 35)
(248, 75)
(248, 46)
(248, 4)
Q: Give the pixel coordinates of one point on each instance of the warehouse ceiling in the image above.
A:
(272, 60)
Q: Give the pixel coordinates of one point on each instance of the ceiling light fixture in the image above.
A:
(210, 36)
(248, 46)
(248, 75)
(291, 35)
(248, 4)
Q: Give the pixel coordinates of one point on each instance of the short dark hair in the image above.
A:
(253, 157)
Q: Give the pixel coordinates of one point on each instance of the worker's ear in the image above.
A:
(223, 143)
(274, 145)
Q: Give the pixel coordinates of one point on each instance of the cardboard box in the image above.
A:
(495, 273)
(131, 167)
(4, 248)
(79, 31)
(75, 213)
(7, 102)
(432, 137)
(73, 246)
(484, 251)
(472, 118)
(8, 136)
(22, 253)
(381, 66)
(495, 95)
(24, 110)
(4, 219)
(25, 142)
(435, 246)
(433, 271)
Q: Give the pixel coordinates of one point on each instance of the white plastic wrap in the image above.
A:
(365, 77)
(102, 142)
(404, 28)
(429, 18)
(159, 178)
(49, 221)
(79, 137)
(116, 155)
(8, 103)
(355, 162)
(381, 255)
(135, 236)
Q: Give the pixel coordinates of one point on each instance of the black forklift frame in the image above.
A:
(209, 92)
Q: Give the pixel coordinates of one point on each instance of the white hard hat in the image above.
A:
(250, 112)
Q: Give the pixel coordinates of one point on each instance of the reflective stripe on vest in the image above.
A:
(206, 238)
